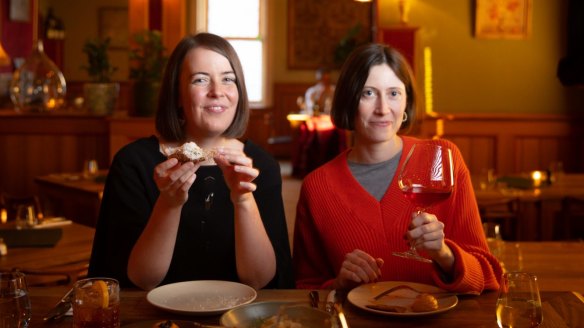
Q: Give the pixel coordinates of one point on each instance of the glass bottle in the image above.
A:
(38, 85)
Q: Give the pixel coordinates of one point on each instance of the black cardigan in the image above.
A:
(205, 244)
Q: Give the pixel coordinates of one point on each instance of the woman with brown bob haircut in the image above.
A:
(351, 214)
(163, 220)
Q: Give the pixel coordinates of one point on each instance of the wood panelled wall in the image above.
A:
(39, 144)
(508, 143)
(512, 143)
(36, 144)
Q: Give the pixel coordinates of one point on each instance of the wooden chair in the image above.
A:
(505, 212)
(571, 224)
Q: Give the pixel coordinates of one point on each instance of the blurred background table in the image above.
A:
(315, 141)
(73, 196)
(548, 212)
(61, 264)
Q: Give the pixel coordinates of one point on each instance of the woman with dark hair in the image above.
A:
(351, 214)
(163, 221)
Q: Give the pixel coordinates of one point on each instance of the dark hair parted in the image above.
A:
(169, 116)
(354, 74)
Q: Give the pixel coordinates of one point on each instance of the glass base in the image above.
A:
(412, 255)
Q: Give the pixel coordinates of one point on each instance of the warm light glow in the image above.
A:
(297, 117)
(428, 92)
(51, 104)
(4, 58)
(3, 216)
(439, 129)
(537, 177)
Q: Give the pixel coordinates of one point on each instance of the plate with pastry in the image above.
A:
(201, 297)
(399, 298)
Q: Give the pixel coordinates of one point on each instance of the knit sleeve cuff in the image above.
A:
(463, 278)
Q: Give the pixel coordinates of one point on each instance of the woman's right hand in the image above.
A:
(174, 180)
(358, 268)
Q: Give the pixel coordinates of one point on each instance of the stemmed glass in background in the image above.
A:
(26, 217)
(15, 309)
(519, 303)
(426, 178)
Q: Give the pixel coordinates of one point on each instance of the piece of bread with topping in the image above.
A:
(187, 152)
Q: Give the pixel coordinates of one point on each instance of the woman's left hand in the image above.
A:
(238, 171)
(427, 233)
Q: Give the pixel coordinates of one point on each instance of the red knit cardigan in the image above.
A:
(336, 215)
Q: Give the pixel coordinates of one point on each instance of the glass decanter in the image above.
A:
(38, 85)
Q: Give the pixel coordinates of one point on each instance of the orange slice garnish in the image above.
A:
(100, 287)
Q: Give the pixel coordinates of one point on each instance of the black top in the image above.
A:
(205, 244)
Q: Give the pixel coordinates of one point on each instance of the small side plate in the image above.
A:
(201, 297)
(363, 295)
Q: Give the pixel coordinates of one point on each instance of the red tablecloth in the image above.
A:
(316, 142)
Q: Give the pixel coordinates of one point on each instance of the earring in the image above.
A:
(405, 117)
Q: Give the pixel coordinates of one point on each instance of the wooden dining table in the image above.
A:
(560, 309)
(72, 195)
(558, 266)
(540, 208)
(70, 254)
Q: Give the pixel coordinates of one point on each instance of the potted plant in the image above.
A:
(101, 94)
(147, 62)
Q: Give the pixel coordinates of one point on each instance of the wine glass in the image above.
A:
(15, 311)
(519, 303)
(425, 179)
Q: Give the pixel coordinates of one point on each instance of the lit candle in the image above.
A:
(3, 215)
(537, 177)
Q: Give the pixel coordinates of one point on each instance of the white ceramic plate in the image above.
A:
(363, 295)
(201, 297)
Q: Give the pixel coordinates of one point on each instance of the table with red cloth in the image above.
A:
(316, 140)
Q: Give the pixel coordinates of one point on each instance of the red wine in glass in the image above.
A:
(425, 197)
(425, 179)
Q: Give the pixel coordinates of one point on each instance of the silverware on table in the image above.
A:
(334, 306)
(61, 308)
(314, 298)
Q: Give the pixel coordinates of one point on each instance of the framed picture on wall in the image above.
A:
(113, 24)
(322, 33)
(503, 19)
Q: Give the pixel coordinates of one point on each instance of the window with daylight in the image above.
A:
(240, 22)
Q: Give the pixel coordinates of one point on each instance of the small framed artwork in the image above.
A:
(113, 24)
(503, 19)
(19, 10)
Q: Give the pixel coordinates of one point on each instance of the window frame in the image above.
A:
(199, 23)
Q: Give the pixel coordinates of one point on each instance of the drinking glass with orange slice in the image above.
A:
(96, 303)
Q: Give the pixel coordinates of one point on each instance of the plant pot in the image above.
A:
(146, 97)
(100, 98)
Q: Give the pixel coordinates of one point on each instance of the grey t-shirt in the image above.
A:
(375, 178)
